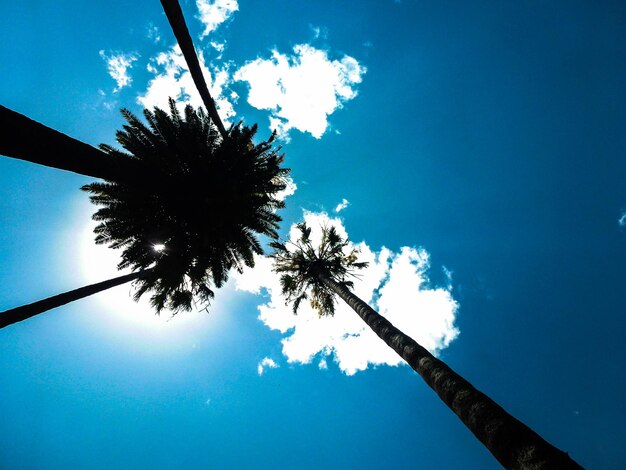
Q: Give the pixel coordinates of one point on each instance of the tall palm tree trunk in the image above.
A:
(24, 312)
(512, 443)
(28, 140)
(177, 22)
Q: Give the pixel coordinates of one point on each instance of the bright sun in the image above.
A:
(99, 263)
(117, 315)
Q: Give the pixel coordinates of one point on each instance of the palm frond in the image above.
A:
(302, 266)
(219, 196)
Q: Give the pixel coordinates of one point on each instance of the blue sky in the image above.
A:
(480, 151)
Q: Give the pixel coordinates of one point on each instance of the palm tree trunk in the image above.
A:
(28, 140)
(24, 312)
(177, 22)
(511, 442)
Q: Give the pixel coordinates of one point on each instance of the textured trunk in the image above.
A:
(26, 311)
(25, 139)
(177, 22)
(512, 443)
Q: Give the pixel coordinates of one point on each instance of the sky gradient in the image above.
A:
(475, 151)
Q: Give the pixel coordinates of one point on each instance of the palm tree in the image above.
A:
(24, 312)
(221, 194)
(29, 140)
(26, 139)
(320, 274)
(209, 207)
(181, 32)
(201, 215)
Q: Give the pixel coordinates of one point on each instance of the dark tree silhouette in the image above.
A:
(29, 140)
(181, 32)
(208, 201)
(318, 274)
(25, 139)
(221, 194)
(209, 220)
(24, 312)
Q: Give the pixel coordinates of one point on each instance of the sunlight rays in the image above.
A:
(97, 262)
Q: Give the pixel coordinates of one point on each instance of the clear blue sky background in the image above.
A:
(490, 133)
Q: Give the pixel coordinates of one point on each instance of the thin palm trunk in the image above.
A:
(179, 27)
(28, 140)
(24, 312)
(512, 443)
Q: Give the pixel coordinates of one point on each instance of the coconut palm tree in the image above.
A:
(184, 230)
(179, 27)
(319, 274)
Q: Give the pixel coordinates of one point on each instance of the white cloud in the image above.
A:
(218, 46)
(215, 12)
(172, 78)
(301, 90)
(118, 66)
(342, 205)
(266, 362)
(622, 220)
(319, 32)
(396, 283)
(289, 190)
(102, 100)
(153, 33)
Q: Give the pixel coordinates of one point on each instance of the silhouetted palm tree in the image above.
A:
(201, 214)
(24, 312)
(318, 274)
(29, 140)
(208, 207)
(220, 195)
(181, 32)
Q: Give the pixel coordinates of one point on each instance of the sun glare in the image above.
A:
(114, 313)
(158, 247)
(99, 263)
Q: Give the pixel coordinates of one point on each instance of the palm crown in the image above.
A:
(302, 267)
(213, 197)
